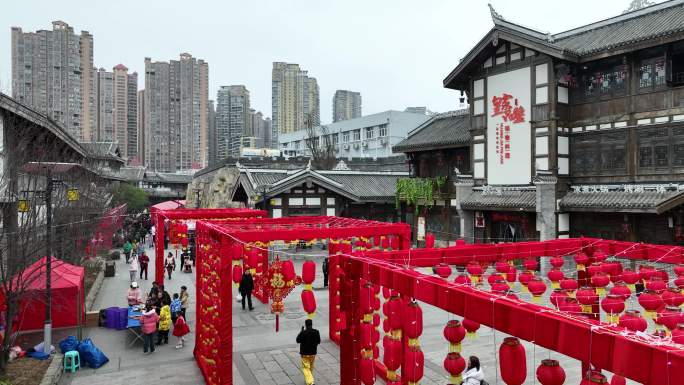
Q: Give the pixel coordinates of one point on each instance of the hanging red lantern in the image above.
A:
(600, 255)
(599, 281)
(594, 269)
(613, 269)
(237, 275)
(289, 272)
(376, 240)
(670, 317)
(366, 301)
(386, 292)
(386, 326)
(679, 282)
(475, 270)
(678, 334)
(537, 287)
(555, 276)
(593, 377)
(308, 274)
(673, 297)
(618, 380)
(550, 372)
(414, 362)
(235, 251)
(500, 287)
(531, 264)
(501, 267)
(557, 262)
(429, 241)
(493, 278)
(391, 356)
(367, 369)
(253, 260)
(454, 332)
(394, 242)
(556, 296)
(587, 297)
(512, 362)
(570, 305)
(524, 278)
(413, 322)
(184, 243)
(395, 313)
(462, 279)
(581, 260)
(613, 305)
(385, 243)
(309, 303)
(443, 270)
(570, 285)
(630, 277)
(511, 275)
(651, 302)
(366, 329)
(632, 320)
(646, 273)
(621, 289)
(471, 327)
(454, 364)
(679, 270)
(656, 284)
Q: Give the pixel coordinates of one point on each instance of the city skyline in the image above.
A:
(375, 64)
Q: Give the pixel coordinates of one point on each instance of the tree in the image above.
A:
(135, 198)
(320, 144)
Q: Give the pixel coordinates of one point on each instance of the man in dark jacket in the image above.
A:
(246, 287)
(325, 272)
(308, 340)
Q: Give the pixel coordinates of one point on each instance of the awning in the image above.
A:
(654, 202)
(515, 200)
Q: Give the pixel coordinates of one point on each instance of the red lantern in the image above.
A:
(511, 276)
(309, 302)
(413, 322)
(618, 380)
(475, 270)
(501, 267)
(537, 287)
(385, 243)
(557, 296)
(600, 280)
(376, 240)
(594, 269)
(569, 285)
(391, 356)
(366, 300)
(308, 274)
(630, 277)
(632, 320)
(581, 260)
(386, 326)
(646, 273)
(366, 332)
(184, 242)
(600, 255)
(289, 272)
(394, 242)
(555, 276)
(550, 372)
(500, 287)
(678, 334)
(524, 278)
(656, 284)
(395, 313)
(443, 270)
(367, 369)
(493, 278)
(587, 297)
(454, 332)
(679, 282)
(557, 262)
(386, 292)
(454, 365)
(613, 305)
(512, 361)
(570, 305)
(462, 279)
(593, 377)
(651, 302)
(470, 327)
(531, 264)
(237, 275)
(622, 290)
(673, 297)
(670, 317)
(679, 270)
(414, 362)
(613, 269)
(253, 260)
(429, 241)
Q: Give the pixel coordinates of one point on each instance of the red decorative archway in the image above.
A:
(215, 254)
(160, 216)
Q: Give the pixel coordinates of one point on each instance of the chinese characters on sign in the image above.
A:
(511, 115)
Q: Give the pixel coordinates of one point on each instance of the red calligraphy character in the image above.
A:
(517, 114)
(501, 105)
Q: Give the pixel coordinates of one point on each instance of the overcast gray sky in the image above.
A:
(395, 52)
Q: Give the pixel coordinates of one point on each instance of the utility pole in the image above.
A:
(48, 262)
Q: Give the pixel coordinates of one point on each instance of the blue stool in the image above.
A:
(72, 361)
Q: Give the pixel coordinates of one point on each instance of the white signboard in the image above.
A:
(508, 129)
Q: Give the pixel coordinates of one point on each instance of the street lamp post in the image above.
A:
(48, 263)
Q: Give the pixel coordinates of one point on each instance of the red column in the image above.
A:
(350, 346)
(159, 249)
(333, 299)
(405, 238)
(225, 330)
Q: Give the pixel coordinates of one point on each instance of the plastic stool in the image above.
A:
(72, 361)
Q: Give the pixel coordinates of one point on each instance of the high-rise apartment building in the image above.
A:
(176, 114)
(52, 72)
(212, 137)
(141, 128)
(346, 105)
(117, 109)
(233, 119)
(295, 98)
(261, 129)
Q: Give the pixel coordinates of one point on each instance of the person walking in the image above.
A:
(473, 374)
(134, 295)
(180, 329)
(127, 247)
(140, 248)
(164, 323)
(169, 263)
(185, 299)
(325, 272)
(144, 261)
(133, 267)
(148, 326)
(246, 287)
(308, 340)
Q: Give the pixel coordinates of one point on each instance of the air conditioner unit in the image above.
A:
(346, 147)
(365, 144)
(356, 145)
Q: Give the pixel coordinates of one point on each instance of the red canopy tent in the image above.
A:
(68, 295)
(169, 205)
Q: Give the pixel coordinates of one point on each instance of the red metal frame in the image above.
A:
(214, 340)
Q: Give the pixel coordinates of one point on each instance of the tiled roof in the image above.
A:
(165, 177)
(648, 23)
(262, 178)
(447, 130)
(368, 186)
(508, 199)
(621, 201)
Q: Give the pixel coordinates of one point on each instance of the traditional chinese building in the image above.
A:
(576, 133)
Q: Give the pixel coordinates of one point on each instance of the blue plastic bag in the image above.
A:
(91, 355)
(39, 355)
(68, 344)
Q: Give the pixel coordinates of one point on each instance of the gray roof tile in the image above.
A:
(646, 201)
(446, 130)
(513, 199)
